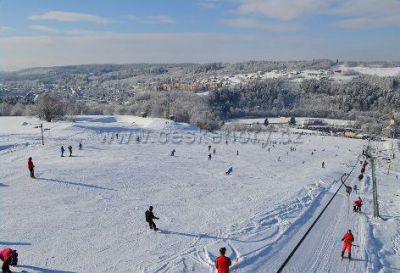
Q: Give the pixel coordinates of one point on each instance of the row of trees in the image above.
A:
(366, 98)
(183, 106)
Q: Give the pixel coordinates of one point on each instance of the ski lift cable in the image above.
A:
(343, 179)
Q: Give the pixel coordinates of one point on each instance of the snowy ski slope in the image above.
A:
(86, 213)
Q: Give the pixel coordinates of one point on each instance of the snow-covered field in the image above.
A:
(299, 121)
(377, 71)
(339, 72)
(86, 213)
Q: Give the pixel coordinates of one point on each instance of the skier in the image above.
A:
(214, 151)
(358, 203)
(31, 167)
(62, 151)
(323, 164)
(150, 217)
(9, 257)
(209, 156)
(222, 263)
(237, 152)
(348, 190)
(355, 188)
(116, 135)
(80, 145)
(209, 148)
(229, 170)
(348, 240)
(70, 150)
(173, 152)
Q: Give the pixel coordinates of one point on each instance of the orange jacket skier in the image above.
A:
(348, 240)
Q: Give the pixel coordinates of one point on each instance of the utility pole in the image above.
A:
(374, 185)
(41, 131)
(167, 110)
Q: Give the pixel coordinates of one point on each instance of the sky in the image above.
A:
(67, 32)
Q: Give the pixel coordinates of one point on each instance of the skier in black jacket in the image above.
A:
(149, 218)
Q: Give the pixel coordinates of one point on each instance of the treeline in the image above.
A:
(311, 97)
(368, 99)
(181, 105)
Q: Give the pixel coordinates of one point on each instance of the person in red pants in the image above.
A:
(9, 257)
(348, 240)
(222, 263)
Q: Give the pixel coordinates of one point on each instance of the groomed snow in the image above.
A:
(86, 213)
(378, 71)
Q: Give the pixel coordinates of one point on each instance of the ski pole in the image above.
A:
(355, 245)
(237, 266)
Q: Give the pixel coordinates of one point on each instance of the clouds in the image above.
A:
(110, 47)
(208, 4)
(63, 16)
(368, 22)
(4, 28)
(349, 14)
(281, 9)
(224, 30)
(255, 24)
(42, 28)
(159, 19)
(361, 14)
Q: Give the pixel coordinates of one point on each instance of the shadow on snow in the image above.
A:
(75, 184)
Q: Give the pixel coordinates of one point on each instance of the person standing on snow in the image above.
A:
(348, 190)
(355, 188)
(209, 156)
(222, 263)
(80, 145)
(358, 203)
(348, 240)
(9, 257)
(62, 151)
(31, 167)
(214, 151)
(150, 217)
(323, 164)
(70, 150)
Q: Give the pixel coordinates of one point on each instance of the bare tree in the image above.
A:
(48, 108)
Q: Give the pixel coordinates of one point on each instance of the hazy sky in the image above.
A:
(61, 32)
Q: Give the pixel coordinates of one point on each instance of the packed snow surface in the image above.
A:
(85, 213)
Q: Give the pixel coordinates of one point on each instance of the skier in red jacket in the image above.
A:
(9, 257)
(222, 263)
(358, 203)
(348, 240)
(31, 167)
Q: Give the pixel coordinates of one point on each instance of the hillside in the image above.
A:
(86, 212)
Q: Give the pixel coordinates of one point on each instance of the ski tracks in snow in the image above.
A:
(264, 240)
(254, 236)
